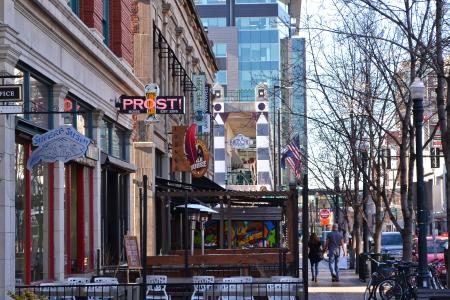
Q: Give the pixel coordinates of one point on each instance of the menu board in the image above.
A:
(131, 248)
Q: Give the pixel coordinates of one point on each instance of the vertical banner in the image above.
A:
(179, 161)
(200, 100)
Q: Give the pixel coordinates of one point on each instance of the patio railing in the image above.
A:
(176, 288)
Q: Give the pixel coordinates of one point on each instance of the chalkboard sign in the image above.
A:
(131, 247)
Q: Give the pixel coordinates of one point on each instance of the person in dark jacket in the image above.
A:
(314, 255)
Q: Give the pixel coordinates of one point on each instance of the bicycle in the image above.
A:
(384, 271)
(402, 285)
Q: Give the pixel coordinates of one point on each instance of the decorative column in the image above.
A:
(263, 151)
(219, 151)
(8, 60)
(97, 117)
(59, 94)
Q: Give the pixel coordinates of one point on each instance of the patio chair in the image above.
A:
(46, 288)
(156, 287)
(287, 286)
(106, 280)
(232, 286)
(278, 278)
(100, 291)
(201, 285)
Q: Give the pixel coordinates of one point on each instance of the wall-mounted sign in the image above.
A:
(179, 160)
(139, 104)
(60, 144)
(196, 152)
(200, 166)
(11, 93)
(11, 109)
(241, 141)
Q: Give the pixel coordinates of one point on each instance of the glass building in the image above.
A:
(255, 43)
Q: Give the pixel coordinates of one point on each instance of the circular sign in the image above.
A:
(324, 213)
(200, 166)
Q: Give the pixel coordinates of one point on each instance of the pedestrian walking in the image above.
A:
(333, 244)
(315, 255)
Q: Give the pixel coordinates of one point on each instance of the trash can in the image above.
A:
(362, 267)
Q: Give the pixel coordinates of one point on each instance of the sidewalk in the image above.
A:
(349, 287)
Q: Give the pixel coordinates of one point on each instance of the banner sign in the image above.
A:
(139, 104)
(179, 160)
(60, 144)
(200, 166)
(196, 152)
(241, 141)
(200, 106)
(11, 93)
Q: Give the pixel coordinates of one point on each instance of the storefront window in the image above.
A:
(37, 97)
(116, 143)
(77, 116)
(39, 216)
(78, 200)
(104, 136)
(32, 219)
(39, 101)
(20, 213)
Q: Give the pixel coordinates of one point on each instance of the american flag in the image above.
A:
(292, 155)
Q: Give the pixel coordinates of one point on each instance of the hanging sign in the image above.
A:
(139, 104)
(60, 144)
(241, 141)
(196, 152)
(179, 160)
(200, 166)
(11, 93)
(199, 103)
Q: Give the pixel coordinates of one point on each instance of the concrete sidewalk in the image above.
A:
(349, 287)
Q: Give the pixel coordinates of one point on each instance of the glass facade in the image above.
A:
(255, 1)
(206, 2)
(221, 77)
(220, 50)
(214, 22)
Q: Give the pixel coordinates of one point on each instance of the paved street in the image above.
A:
(349, 287)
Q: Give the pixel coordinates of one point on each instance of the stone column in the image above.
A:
(8, 60)
(59, 94)
(97, 116)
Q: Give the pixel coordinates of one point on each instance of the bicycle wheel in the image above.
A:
(390, 289)
(368, 291)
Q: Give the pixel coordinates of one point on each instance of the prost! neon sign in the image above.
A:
(163, 104)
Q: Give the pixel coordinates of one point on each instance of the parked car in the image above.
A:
(435, 253)
(392, 243)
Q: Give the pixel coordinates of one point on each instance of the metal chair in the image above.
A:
(201, 285)
(100, 291)
(156, 287)
(233, 288)
(46, 288)
(286, 289)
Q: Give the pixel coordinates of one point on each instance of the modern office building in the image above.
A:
(261, 60)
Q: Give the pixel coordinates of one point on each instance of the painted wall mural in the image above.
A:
(244, 234)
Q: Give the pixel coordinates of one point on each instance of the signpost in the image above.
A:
(324, 213)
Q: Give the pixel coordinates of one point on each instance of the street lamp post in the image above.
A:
(279, 149)
(365, 174)
(417, 90)
(275, 87)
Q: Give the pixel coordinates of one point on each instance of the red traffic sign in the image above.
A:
(324, 213)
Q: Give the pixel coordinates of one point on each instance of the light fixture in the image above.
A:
(261, 93)
(217, 94)
(417, 89)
